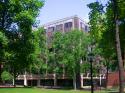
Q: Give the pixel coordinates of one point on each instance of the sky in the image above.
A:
(58, 9)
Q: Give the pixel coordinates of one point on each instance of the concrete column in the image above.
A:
(55, 80)
(81, 80)
(25, 79)
(63, 27)
(73, 24)
(13, 82)
(100, 79)
(88, 75)
(38, 82)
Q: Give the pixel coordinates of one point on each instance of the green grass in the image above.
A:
(39, 90)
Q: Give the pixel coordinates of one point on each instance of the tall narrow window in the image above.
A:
(67, 26)
(59, 27)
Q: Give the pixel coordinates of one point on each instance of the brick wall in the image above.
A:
(113, 79)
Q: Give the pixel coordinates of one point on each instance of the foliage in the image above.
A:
(101, 29)
(111, 27)
(85, 67)
(3, 46)
(16, 20)
(6, 76)
(96, 20)
(41, 50)
(69, 49)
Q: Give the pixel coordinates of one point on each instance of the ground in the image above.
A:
(39, 90)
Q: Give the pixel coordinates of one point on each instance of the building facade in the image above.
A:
(65, 25)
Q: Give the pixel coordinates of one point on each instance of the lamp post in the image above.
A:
(91, 57)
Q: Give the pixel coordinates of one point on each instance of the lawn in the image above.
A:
(38, 90)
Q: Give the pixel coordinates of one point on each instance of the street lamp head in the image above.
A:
(90, 57)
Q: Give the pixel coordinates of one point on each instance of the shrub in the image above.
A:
(6, 76)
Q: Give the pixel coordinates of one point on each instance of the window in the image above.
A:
(68, 25)
(81, 26)
(51, 29)
(86, 28)
(59, 27)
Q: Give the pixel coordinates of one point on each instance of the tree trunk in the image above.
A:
(107, 64)
(55, 65)
(46, 66)
(78, 76)
(120, 61)
(46, 71)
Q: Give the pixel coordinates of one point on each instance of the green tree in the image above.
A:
(112, 33)
(40, 63)
(101, 29)
(57, 54)
(6, 76)
(96, 20)
(3, 50)
(115, 34)
(69, 50)
(98, 26)
(17, 18)
(40, 51)
(118, 46)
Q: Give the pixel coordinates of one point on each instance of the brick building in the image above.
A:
(64, 25)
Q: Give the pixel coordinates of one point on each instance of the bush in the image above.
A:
(6, 76)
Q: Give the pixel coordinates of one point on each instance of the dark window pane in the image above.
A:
(86, 28)
(51, 29)
(59, 27)
(68, 25)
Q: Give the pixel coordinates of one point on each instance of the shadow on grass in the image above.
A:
(57, 87)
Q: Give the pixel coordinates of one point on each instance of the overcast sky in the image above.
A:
(57, 9)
